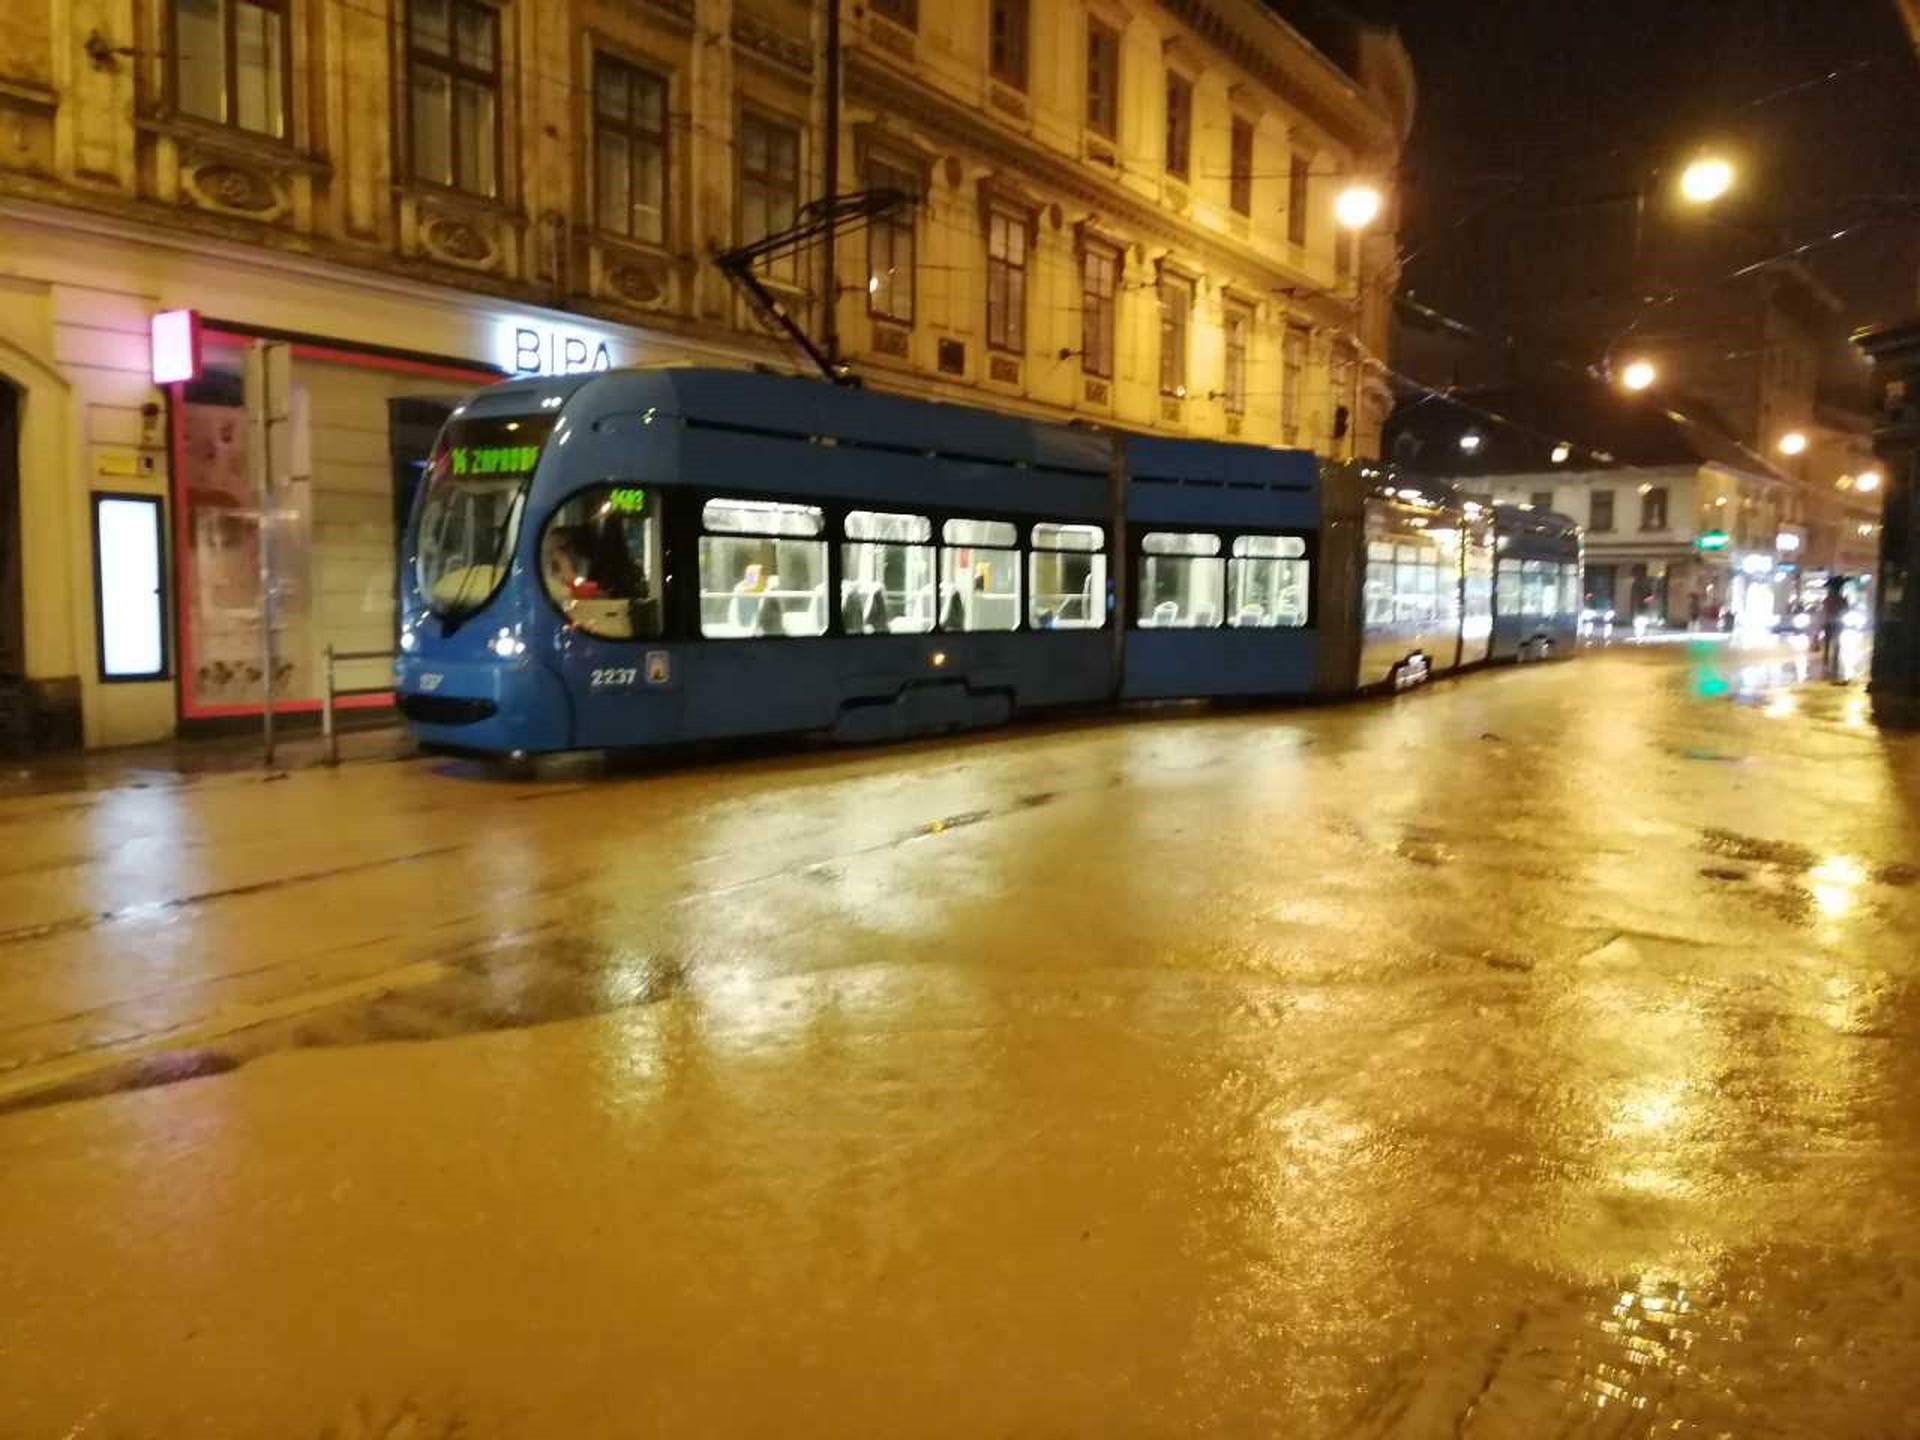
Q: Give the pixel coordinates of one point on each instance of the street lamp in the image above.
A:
(1470, 442)
(1706, 180)
(1639, 375)
(1867, 481)
(1358, 206)
(1794, 442)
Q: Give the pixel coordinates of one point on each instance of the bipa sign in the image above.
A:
(533, 347)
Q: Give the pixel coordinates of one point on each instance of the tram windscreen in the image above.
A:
(470, 506)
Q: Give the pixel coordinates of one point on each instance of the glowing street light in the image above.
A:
(1706, 180)
(1358, 206)
(1867, 481)
(1561, 453)
(1639, 375)
(1470, 442)
(1794, 442)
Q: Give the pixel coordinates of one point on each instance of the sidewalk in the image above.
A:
(176, 761)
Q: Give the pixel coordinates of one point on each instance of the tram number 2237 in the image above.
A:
(622, 677)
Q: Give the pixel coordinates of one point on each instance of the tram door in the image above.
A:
(413, 424)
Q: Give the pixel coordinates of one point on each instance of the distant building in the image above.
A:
(1684, 525)
(1846, 484)
(1122, 212)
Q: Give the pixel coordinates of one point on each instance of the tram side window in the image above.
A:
(1570, 590)
(979, 575)
(763, 571)
(1537, 589)
(1446, 588)
(600, 562)
(1182, 581)
(1267, 582)
(886, 574)
(1416, 585)
(1378, 591)
(1067, 577)
(1406, 584)
(1509, 587)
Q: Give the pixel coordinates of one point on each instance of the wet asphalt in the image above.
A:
(1534, 1056)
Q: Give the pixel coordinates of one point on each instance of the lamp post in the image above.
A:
(1358, 206)
(1638, 375)
(1707, 178)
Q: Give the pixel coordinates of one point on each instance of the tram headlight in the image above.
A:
(507, 645)
(407, 640)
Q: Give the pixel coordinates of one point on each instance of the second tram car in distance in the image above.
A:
(1537, 584)
(649, 556)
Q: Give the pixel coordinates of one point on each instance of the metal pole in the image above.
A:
(326, 709)
(259, 422)
(1642, 186)
(830, 182)
(1120, 566)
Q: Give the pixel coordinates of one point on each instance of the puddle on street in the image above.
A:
(1732, 846)
(538, 980)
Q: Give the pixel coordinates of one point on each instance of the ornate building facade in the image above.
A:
(1120, 211)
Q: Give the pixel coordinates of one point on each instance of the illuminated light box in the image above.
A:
(176, 347)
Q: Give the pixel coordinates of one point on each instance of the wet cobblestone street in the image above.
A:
(1535, 1056)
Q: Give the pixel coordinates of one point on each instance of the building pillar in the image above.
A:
(1895, 352)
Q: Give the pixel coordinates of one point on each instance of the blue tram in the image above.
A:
(1537, 585)
(646, 556)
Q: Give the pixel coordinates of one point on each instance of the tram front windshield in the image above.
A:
(470, 507)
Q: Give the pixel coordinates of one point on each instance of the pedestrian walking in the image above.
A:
(1833, 624)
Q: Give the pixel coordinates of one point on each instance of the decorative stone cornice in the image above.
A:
(760, 39)
(1354, 122)
(28, 95)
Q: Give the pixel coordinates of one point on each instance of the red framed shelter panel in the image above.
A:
(358, 430)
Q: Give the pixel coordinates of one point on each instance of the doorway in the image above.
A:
(15, 722)
(13, 645)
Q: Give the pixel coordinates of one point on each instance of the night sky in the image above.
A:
(1526, 104)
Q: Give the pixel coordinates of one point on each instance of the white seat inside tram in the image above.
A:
(1184, 584)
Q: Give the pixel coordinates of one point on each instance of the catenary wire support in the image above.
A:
(818, 220)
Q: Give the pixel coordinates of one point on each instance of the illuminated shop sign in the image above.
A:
(534, 347)
(1712, 540)
(176, 346)
(493, 459)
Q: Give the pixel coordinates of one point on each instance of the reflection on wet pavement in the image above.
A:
(1533, 1057)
